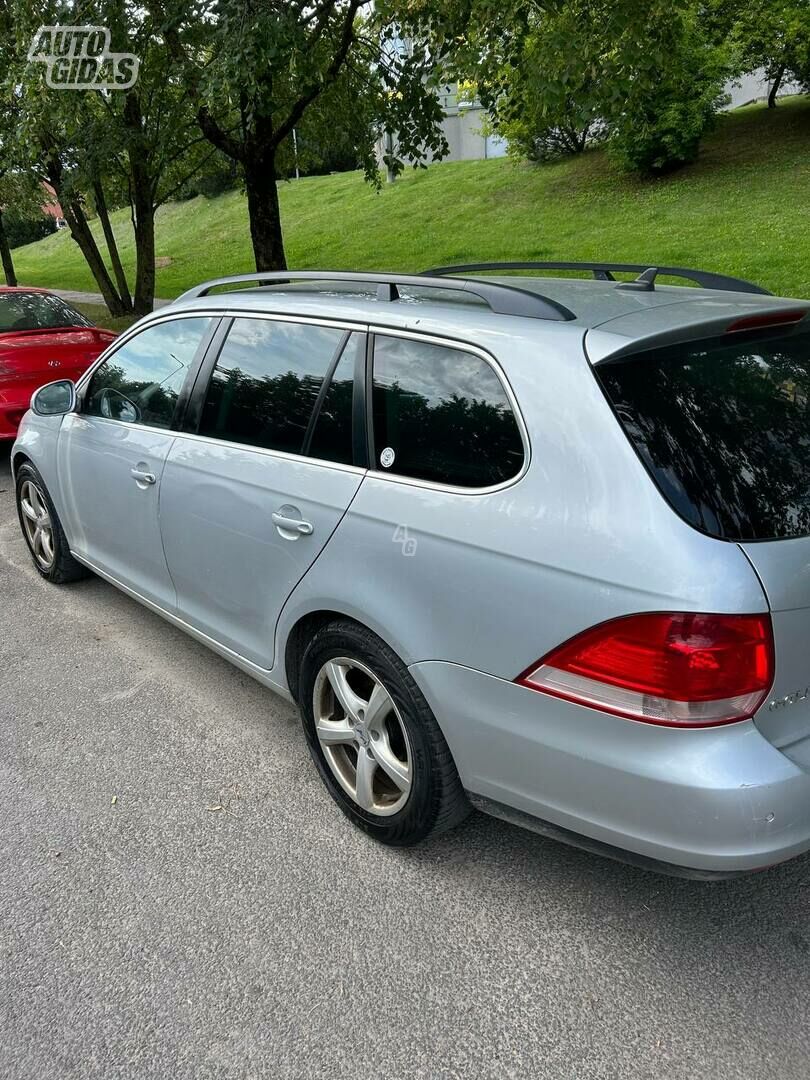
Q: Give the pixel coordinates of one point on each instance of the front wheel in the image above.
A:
(42, 529)
(374, 738)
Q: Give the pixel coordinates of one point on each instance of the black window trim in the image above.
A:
(375, 331)
(306, 445)
(181, 406)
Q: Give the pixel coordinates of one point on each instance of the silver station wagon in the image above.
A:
(535, 544)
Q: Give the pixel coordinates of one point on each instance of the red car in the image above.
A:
(41, 339)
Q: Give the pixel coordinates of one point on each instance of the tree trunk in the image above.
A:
(143, 205)
(112, 246)
(5, 253)
(80, 231)
(264, 214)
(144, 221)
(777, 82)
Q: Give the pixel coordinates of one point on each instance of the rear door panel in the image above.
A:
(232, 567)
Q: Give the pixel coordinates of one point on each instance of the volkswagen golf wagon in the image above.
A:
(534, 544)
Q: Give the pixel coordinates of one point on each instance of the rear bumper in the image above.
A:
(716, 802)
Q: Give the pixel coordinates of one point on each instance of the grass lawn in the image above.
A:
(98, 314)
(743, 208)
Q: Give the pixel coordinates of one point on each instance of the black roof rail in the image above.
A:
(605, 271)
(502, 299)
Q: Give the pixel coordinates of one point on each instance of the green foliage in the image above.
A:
(730, 212)
(659, 126)
(23, 228)
(773, 35)
(555, 75)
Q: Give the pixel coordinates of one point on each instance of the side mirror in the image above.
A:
(54, 399)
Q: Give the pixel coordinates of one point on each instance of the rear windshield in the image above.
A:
(36, 311)
(723, 428)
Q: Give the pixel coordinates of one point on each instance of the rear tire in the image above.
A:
(374, 739)
(42, 529)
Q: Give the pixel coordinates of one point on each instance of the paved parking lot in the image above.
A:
(180, 898)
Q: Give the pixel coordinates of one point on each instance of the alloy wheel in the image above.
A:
(362, 736)
(37, 524)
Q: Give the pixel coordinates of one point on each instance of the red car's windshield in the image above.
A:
(37, 311)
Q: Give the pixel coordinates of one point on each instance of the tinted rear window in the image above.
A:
(723, 428)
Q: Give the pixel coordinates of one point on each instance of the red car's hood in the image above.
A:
(59, 353)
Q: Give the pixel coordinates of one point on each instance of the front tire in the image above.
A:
(374, 738)
(42, 529)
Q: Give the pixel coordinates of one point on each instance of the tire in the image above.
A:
(365, 668)
(45, 538)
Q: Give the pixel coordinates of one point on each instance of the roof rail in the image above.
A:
(502, 299)
(605, 271)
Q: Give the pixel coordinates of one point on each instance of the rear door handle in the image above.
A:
(287, 524)
(142, 477)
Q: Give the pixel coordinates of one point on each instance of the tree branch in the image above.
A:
(331, 73)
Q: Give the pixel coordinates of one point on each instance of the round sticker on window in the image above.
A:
(387, 457)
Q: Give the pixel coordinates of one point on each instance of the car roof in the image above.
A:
(22, 289)
(615, 320)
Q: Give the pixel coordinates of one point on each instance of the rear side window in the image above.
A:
(723, 427)
(442, 414)
(266, 382)
(141, 381)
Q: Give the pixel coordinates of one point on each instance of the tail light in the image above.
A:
(679, 669)
(763, 322)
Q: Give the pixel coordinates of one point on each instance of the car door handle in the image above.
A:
(290, 524)
(142, 477)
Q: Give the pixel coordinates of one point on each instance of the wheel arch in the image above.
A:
(306, 626)
(17, 460)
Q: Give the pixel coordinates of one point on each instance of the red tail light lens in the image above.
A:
(762, 322)
(681, 668)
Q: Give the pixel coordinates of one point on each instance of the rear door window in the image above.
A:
(267, 381)
(724, 429)
(442, 414)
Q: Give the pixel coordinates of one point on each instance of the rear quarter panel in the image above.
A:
(494, 581)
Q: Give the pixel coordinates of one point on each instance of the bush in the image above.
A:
(663, 136)
(659, 128)
(25, 229)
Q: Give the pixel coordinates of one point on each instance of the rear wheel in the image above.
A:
(374, 738)
(42, 529)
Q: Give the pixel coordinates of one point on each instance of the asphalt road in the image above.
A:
(179, 898)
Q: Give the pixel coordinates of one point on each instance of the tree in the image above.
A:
(142, 141)
(259, 71)
(774, 36)
(551, 99)
(659, 127)
(554, 74)
(21, 199)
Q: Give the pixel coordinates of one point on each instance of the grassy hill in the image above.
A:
(743, 208)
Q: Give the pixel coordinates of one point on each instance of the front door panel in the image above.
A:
(111, 515)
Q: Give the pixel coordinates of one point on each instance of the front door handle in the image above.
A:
(289, 525)
(141, 476)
